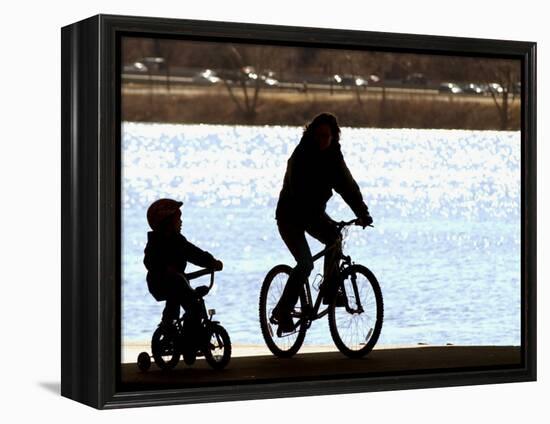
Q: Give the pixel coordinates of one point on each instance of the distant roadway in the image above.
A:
(143, 85)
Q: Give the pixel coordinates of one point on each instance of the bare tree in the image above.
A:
(244, 82)
(363, 65)
(354, 68)
(502, 77)
(165, 50)
(135, 49)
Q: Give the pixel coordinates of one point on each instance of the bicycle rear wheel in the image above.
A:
(164, 348)
(355, 330)
(272, 288)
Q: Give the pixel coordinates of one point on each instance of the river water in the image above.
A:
(445, 203)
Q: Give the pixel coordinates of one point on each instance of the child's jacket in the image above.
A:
(165, 254)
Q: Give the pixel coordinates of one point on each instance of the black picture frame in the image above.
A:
(91, 216)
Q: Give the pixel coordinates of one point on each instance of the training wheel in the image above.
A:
(144, 361)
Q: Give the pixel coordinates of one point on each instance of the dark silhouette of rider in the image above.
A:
(166, 255)
(314, 169)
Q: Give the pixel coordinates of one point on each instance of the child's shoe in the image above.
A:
(169, 326)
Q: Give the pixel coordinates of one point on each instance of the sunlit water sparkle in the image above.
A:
(445, 247)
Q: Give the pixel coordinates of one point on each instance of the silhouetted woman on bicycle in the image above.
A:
(314, 169)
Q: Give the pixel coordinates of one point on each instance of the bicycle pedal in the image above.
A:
(307, 310)
(281, 333)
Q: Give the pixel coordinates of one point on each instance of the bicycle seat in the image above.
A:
(202, 291)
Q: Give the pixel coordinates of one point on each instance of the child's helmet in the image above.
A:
(160, 210)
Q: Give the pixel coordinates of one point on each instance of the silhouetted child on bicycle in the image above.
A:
(166, 255)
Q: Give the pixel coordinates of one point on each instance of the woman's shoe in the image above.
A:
(284, 322)
(340, 299)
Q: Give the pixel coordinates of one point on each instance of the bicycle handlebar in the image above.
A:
(343, 224)
(200, 273)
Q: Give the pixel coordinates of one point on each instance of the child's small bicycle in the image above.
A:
(209, 340)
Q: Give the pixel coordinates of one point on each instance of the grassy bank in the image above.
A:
(441, 111)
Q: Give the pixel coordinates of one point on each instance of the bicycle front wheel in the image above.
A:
(217, 351)
(356, 326)
(272, 289)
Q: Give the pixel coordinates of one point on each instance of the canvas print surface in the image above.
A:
(240, 157)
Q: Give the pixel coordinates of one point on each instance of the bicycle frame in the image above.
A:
(205, 315)
(342, 262)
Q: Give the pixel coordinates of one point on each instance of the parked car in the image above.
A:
(493, 87)
(135, 68)
(269, 78)
(230, 76)
(247, 75)
(416, 79)
(449, 87)
(349, 80)
(207, 76)
(250, 72)
(472, 88)
(154, 63)
(373, 78)
(496, 87)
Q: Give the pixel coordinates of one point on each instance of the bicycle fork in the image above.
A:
(357, 297)
(346, 262)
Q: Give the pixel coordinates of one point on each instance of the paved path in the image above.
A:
(311, 365)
